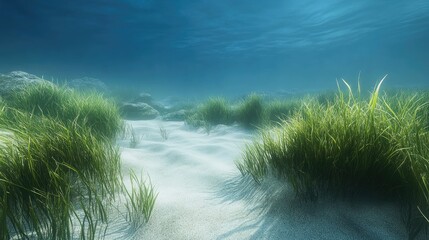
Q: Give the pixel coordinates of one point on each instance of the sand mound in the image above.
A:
(203, 196)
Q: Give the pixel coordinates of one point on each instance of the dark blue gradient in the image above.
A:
(224, 47)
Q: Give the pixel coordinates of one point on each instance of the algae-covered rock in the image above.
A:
(16, 81)
(179, 115)
(88, 84)
(138, 111)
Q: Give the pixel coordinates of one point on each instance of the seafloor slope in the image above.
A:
(203, 196)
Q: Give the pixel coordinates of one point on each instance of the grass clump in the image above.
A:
(135, 139)
(250, 112)
(87, 109)
(216, 111)
(350, 146)
(164, 133)
(213, 112)
(141, 199)
(278, 110)
(46, 168)
(58, 171)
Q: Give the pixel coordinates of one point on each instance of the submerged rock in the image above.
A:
(16, 81)
(88, 84)
(138, 111)
(175, 116)
(144, 97)
(147, 99)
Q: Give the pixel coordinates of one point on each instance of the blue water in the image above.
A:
(182, 47)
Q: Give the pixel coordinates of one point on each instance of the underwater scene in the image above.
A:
(155, 119)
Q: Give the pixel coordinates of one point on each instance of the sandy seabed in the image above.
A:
(202, 195)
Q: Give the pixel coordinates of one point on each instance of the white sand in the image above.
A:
(202, 194)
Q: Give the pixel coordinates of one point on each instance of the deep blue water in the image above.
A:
(183, 47)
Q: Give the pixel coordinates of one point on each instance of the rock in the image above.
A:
(147, 98)
(88, 84)
(16, 81)
(159, 107)
(175, 116)
(138, 111)
(144, 97)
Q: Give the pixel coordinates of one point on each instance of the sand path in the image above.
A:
(203, 196)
